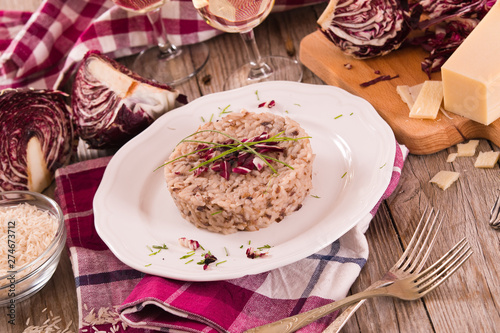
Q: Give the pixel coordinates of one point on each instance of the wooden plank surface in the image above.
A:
(421, 136)
(468, 302)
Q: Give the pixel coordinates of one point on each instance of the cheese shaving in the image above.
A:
(444, 179)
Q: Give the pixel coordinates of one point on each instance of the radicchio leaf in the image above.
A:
(36, 138)
(112, 104)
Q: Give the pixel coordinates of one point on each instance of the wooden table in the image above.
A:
(467, 302)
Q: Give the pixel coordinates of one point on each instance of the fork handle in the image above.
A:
(347, 313)
(293, 323)
(343, 317)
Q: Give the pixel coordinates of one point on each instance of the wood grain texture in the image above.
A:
(468, 302)
(420, 136)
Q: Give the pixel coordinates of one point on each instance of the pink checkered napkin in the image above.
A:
(41, 52)
(149, 303)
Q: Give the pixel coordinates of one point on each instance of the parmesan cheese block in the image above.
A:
(487, 159)
(444, 179)
(471, 76)
(428, 101)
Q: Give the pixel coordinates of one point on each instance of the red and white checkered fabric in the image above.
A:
(41, 49)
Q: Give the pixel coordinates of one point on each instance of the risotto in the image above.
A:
(221, 187)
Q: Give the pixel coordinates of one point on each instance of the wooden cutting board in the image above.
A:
(420, 136)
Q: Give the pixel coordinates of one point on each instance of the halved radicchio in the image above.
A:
(36, 138)
(365, 29)
(112, 104)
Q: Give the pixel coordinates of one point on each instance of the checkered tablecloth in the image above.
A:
(41, 49)
(149, 303)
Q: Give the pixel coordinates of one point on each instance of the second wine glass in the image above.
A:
(164, 63)
(242, 16)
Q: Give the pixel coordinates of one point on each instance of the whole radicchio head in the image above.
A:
(365, 29)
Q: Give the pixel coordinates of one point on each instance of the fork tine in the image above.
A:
(432, 277)
(494, 214)
(418, 250)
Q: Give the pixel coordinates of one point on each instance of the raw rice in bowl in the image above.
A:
(32, 235)
(235, 197)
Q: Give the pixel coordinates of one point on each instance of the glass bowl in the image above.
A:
(19, 283)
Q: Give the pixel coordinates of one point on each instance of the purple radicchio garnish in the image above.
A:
(268, 104)
(254, 253)
(239, 161)
(189, 243)
(208, 258)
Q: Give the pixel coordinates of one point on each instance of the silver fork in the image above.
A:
(495, 214)
(412, 261)
(410, 288)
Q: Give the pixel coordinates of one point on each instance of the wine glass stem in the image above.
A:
(166, 48)
(258, 68)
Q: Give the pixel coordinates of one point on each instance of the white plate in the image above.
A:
(354, 149)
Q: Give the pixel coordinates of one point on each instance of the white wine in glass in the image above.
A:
(164, 63)
(241, 16)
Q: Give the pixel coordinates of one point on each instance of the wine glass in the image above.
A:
(242, 16)
(164, 63)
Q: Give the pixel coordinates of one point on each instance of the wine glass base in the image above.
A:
(283, 69)
(174, 69)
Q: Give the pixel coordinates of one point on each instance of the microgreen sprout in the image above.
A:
(340, 115)
(383, 165)
(345, 173)
(220, 262)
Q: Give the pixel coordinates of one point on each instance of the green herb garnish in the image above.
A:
(237, 146)
(189, 254)
(340, 115)
(224, 111)
(220, 262)
(345, 173)
(315, 196)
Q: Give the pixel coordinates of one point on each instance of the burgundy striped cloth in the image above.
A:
(111, 294)
(40, 50)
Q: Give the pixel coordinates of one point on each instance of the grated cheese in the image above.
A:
(34, 231)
